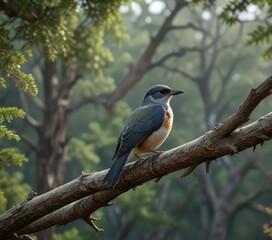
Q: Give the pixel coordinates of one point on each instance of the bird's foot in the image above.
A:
(157, 154)
(139, 160)
(83, 174)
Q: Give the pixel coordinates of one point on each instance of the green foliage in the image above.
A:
(232, 10)
(106, 16)
(263, 33)
(10, 134)
(11, 156)
(49, 26)
(8, 114)
(267, 227)
(90, 36)
(71, 234)
(3, 200)
(10, 62)
(148, 207)
(68, 28)
(142, 198)
(203, 4)
(14, 190)
(3, 83)
(98, 85)
(83, 153)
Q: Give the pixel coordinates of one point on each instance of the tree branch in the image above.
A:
(237, 175)
(86, 194)
(181, 72)
(244, 202)
(158, 63)
(101, 99)
(38, 102)
(207, 187)
(29, 119)
(190, 26)
(139, 69)
(251, 102)
(29, 141)
(182, 157)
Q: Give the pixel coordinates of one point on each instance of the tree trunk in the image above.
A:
(52, 148)
(220, 223)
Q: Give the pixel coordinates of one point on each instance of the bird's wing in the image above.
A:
(141, 124)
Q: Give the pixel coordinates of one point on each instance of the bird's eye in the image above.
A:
(165, 91)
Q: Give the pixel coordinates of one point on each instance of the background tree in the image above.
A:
(10, 61)
(80, 46)
(65, 35)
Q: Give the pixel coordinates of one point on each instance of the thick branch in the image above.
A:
(93, 193)
(244, 111)
(181, 157)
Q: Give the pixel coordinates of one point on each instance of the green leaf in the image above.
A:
(3, 83)
(11, 156)
(10, 134)
(9, 113)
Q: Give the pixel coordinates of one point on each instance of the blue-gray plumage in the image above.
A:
(145, 130)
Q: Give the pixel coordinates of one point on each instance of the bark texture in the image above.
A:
(79, 198)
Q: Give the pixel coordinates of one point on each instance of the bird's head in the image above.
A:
(160, 94)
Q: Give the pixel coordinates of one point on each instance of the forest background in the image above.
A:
(92, 63)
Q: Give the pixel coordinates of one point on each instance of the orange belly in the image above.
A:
(158, 137)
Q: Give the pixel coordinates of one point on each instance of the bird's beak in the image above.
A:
(176, 91)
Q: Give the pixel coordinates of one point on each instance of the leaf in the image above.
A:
(11, 156)
(10, 113)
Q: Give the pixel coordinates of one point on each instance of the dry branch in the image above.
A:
(87, 193)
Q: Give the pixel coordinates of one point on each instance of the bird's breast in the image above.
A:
(158, 137)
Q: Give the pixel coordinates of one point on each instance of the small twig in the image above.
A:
(90, 221)
(189, 170)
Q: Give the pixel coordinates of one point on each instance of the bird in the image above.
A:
(145, 130)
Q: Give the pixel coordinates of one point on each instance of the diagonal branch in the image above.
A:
(251, 102)
(175, 159)
(30, 142)
(139, 69)
(29, 119)
(158, 63)
(237, 175)
(207, 187)
(180, 71)
(244, 202)
(190, 25)
(86, 194)
(101, 99)
(38, 102)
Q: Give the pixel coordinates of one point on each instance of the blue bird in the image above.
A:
(145, 130)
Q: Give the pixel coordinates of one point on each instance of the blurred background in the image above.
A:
(93, 62)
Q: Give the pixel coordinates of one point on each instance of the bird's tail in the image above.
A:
(116, 169)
